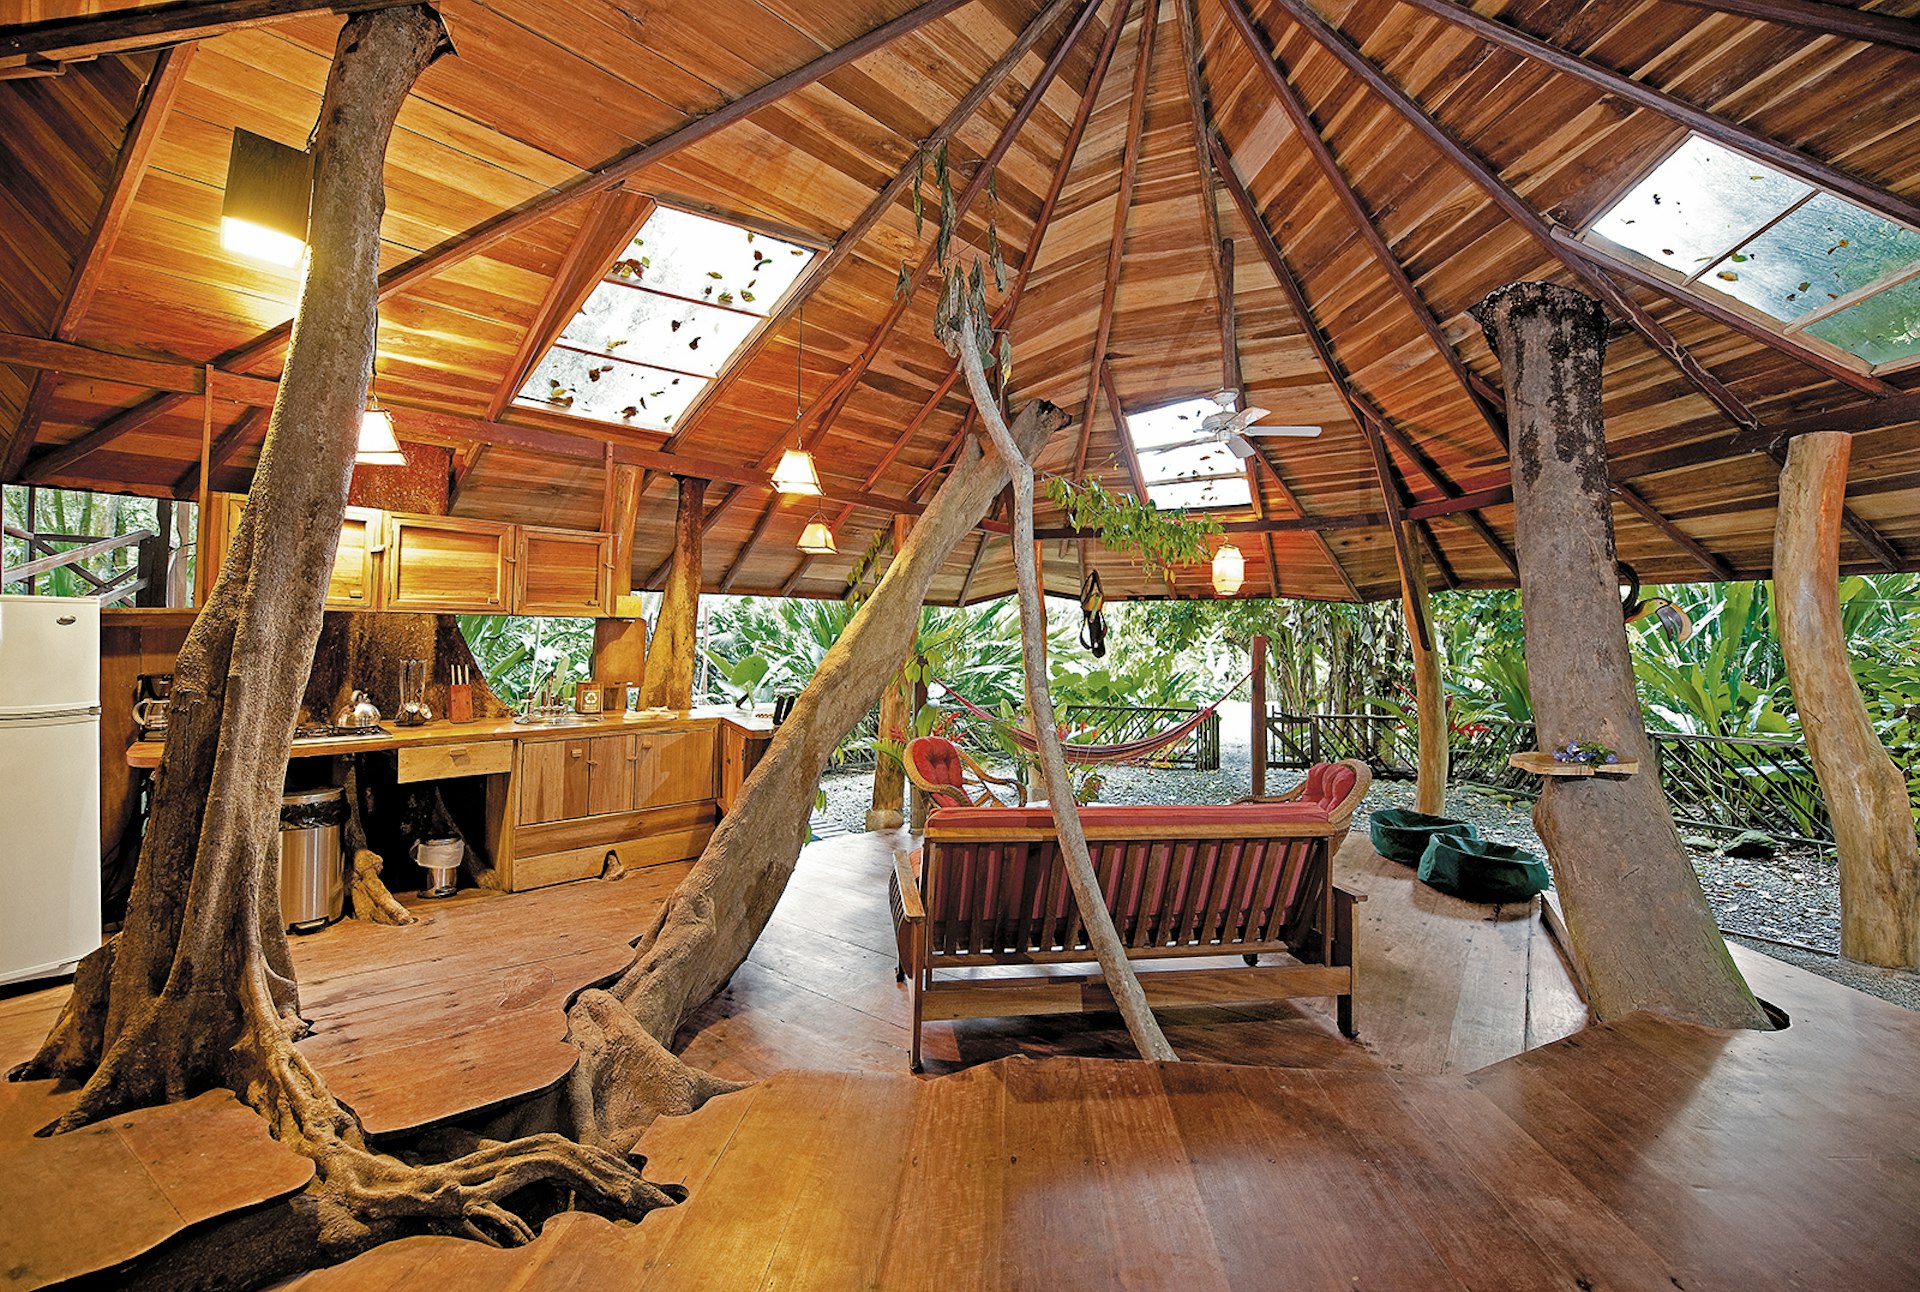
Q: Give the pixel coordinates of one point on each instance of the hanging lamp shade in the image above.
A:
(1229, 570)
(816, 539)
(795, 474)
(264, 211)
(379, 446)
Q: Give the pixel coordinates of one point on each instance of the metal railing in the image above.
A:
(1116, 724)
(1714, 783)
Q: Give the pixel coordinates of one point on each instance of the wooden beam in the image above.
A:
(843, 246)
(468, 461)
(1792, 161)
(1826, 18)
(253, 420)
(125, 30)
(1116, 243)
(1712, 564)
(1308, 131)
(611, 222)
(973, 568)
(840, 390)
(1517, 209)
(506, 224)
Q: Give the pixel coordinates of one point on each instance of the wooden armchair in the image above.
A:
(939, 769)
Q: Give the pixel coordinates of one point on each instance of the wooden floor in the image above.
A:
(1446, 1149)
(1643, 1154)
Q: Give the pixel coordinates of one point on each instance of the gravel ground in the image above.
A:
(1786, 905)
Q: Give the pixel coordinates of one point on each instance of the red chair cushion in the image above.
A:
(938, 763)
(1328, 785)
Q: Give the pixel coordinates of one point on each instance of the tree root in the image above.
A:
(372, 900)
(626, 1077)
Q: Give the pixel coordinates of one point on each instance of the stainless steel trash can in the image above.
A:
(312, 876)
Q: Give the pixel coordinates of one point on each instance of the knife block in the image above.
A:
(459, 703)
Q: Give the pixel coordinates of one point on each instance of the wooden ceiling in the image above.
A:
(1378, 166)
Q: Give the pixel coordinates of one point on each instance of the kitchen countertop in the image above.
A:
(146, 753)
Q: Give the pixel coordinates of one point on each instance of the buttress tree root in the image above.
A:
(198, 991)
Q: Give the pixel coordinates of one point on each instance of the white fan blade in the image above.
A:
(1252, 413)
(1293, 432)
(1240, 447)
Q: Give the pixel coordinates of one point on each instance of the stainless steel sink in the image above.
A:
(565, 718)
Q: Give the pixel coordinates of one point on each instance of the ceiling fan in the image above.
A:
(1231, 426)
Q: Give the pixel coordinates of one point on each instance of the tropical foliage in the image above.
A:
(81, 514)
(517, 653)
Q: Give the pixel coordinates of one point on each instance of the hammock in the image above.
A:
(1126, 751)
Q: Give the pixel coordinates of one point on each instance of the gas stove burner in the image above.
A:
(326, 731)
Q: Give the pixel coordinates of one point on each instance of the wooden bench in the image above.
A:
(988, 887)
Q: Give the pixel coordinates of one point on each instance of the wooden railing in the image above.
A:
(1714, 783)
(109, 588)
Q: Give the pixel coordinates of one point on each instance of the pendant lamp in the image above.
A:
(795, 474)
(379, 446)
(263, 213)
(1229, 570)
(816, 539)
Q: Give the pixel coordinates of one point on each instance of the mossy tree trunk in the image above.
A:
(1642, 934)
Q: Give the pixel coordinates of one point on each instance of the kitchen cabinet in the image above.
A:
(449, 564)
(354, 583)
(561, 572)
(740, 752)
(645, 797)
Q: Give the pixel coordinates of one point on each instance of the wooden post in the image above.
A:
(888, 808)
(1430, 700)
(1866, 794)
(150, 567)
(1639, 927)
(667, 682)
(1259, 714)
(620, 640)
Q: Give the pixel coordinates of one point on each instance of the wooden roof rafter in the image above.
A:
(126, 31)
(129, 168)
(1003, 317)
(496, 228)
(1589, 264)
(1123, 203)
(1365, 415)
(1722, 130)
(842, 388)
(1822, 16)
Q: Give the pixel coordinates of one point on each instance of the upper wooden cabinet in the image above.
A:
(449, 564)
(561, 572)
(354, 583)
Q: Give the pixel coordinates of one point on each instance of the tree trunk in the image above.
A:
(1430, 702)
(667, 682)
(1108, 949)
(1866, 794)
(626, 1075)
(1641, 932)
(887, 811)
(197, 992)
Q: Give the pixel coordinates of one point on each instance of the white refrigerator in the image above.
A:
(49, 784)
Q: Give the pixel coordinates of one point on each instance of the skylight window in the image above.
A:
(672, 312)
(1718, 221)
(1182, 466)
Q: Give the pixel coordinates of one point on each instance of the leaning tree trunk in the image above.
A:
(197, 992)
(1641, 931)
(666, 681)
(1094, 915)
(1866, 794)
(626, 1075)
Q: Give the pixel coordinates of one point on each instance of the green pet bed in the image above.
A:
(1479, 870)
(1401, 834)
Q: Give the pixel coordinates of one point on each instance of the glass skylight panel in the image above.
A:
(1697, 204)
(1883, 328)
(1811, 261)
(1180, 464)
(671, 313)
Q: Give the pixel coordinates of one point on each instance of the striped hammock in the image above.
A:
(1125, 752)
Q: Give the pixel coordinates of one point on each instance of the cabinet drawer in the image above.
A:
(439, 762)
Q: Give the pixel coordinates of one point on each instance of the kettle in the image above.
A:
(359, 715)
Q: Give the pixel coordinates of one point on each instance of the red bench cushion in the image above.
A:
(937, 762)
(1328, 785)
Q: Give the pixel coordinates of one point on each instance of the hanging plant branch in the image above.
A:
(1161, 539)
